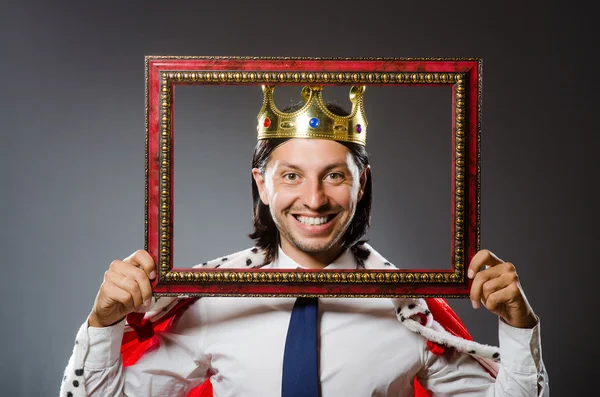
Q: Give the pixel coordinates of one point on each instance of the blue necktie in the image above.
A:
(300, 359)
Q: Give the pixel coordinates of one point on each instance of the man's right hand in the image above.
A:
(126, 288)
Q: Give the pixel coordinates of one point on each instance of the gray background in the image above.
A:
(72, 123)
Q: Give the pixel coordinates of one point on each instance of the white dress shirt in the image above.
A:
(363, 351)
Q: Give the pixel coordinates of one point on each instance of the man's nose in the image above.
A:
(314, 196)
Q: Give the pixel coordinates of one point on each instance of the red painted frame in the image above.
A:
(463, 74)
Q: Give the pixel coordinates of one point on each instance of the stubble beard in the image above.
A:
(284, 228)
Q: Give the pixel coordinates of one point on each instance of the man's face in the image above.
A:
(312, 187)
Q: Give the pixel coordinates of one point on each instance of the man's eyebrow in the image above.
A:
(336, 165)
(285, 164)
(341, 164)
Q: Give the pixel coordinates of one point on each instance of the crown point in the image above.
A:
(314, 122)
(267, 122)
(358, 128)
(306, 90)
(356, 92)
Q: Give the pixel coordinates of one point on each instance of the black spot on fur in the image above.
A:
(471, 351)
(402, 318)
(224, 259)
(76, 383)
(204, 264)
(427, 312)
(248, 262)
(387, 263)
(79, 372)
(411, 306)
(69, 394)
(360, 252)
(254, 250)
(76, 342)
(496, 355)
(398, 310)
(219, 265)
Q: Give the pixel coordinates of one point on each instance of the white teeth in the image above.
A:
(307, 220)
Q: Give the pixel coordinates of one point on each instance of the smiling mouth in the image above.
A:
(314, 220)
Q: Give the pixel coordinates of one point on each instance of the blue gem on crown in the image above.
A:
(314, 122)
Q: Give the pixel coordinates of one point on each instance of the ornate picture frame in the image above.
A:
(463, 75)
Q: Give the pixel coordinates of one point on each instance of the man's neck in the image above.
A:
(312, 260)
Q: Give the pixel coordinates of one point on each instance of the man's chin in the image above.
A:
(314, 247)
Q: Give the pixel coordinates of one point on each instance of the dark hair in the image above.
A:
(265, 231)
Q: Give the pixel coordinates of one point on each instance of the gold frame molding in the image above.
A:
(163, 73)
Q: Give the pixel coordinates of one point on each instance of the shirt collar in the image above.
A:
(345, 261)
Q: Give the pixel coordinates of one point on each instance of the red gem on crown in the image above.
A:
(267, 122)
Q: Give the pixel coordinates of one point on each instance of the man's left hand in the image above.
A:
(496, 285)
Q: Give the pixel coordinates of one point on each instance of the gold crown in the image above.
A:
(313, 120)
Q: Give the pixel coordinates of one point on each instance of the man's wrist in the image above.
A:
(527, 322)
(95, 323)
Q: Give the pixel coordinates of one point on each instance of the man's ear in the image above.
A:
(260, 184)
(363, 181)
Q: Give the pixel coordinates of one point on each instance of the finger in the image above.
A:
(115, 293)
(144, 260)
(141, 278)
(480, 259)
(506, 274)
(126, 284)
(502, 296)
(496, 284)
(481, 278)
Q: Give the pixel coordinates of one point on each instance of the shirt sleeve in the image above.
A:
(104, 346)
(103, 369)
(95, 367)
(522, 366)
(521, 369)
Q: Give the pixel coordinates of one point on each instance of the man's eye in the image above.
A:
(335, 176)
(290, 177)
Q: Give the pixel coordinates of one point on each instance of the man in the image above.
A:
(312, 201)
